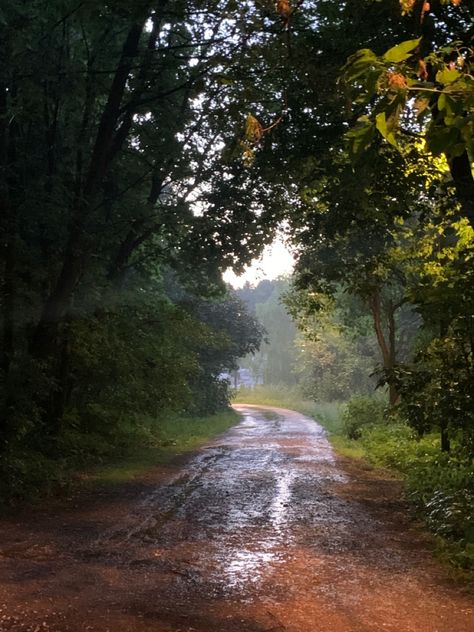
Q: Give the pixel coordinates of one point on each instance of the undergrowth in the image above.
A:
(140, 444)
(439, 485)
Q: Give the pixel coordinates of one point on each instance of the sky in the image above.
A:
(275, 261)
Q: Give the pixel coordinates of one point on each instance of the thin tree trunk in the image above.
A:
(9, 229)
(394, 396)
(8, 238)
(138, 232)
(445, 442)
(387, 349)
(45, 340)
(59, 394)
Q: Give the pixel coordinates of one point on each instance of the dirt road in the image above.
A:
(263, 530)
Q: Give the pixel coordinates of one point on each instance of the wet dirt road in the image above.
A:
(263, 530)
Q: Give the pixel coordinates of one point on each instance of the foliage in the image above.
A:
(347, 243)
(435, 384)
(237, 333)
(361, 412)
(122, 200)
(402, 75)
(422, 88)
(440, 486)
(357, 223)
(336, 350)
(139, 445)
(391, 228)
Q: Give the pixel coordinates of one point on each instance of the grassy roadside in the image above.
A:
(439, 486)
(99, 459)
(174, 435)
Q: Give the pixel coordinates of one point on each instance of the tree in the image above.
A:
(335, 359)
(237, 333)
(435, 383)
(116, 125)
(422, 87)
(349, 233)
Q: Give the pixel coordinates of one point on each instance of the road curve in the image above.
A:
(262, 530)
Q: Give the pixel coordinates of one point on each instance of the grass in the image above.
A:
(99, 459)
(170, 436)
(348, 447)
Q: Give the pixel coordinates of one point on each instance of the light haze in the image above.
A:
(276, 261)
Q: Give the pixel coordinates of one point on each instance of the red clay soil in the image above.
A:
(263, 530)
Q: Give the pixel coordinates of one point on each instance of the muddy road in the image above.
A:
(263, 530)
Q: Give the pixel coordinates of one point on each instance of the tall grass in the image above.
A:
(184, 432)
(165, 438)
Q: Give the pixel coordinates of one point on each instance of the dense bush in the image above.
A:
(362, 411)
(138, 359)
(437, 388)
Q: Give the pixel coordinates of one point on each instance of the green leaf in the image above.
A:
(442, 102)
(364, 55)
(359, 63)
(360, 137)
(385, 127)
(401, 51)
(448, 75)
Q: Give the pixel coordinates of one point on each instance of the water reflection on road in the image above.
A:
(239, 496)
(261, 530)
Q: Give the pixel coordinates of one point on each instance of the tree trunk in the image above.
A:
(9, 192)
(60, 393)
(45, 340)
(394, 396)
(48, 342)
(445, 442)
(9, 228)
(460, 167)
(137, 234)
(387, 349)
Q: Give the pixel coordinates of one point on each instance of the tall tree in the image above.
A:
(116, 130)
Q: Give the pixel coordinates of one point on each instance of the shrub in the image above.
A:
(362, 411)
